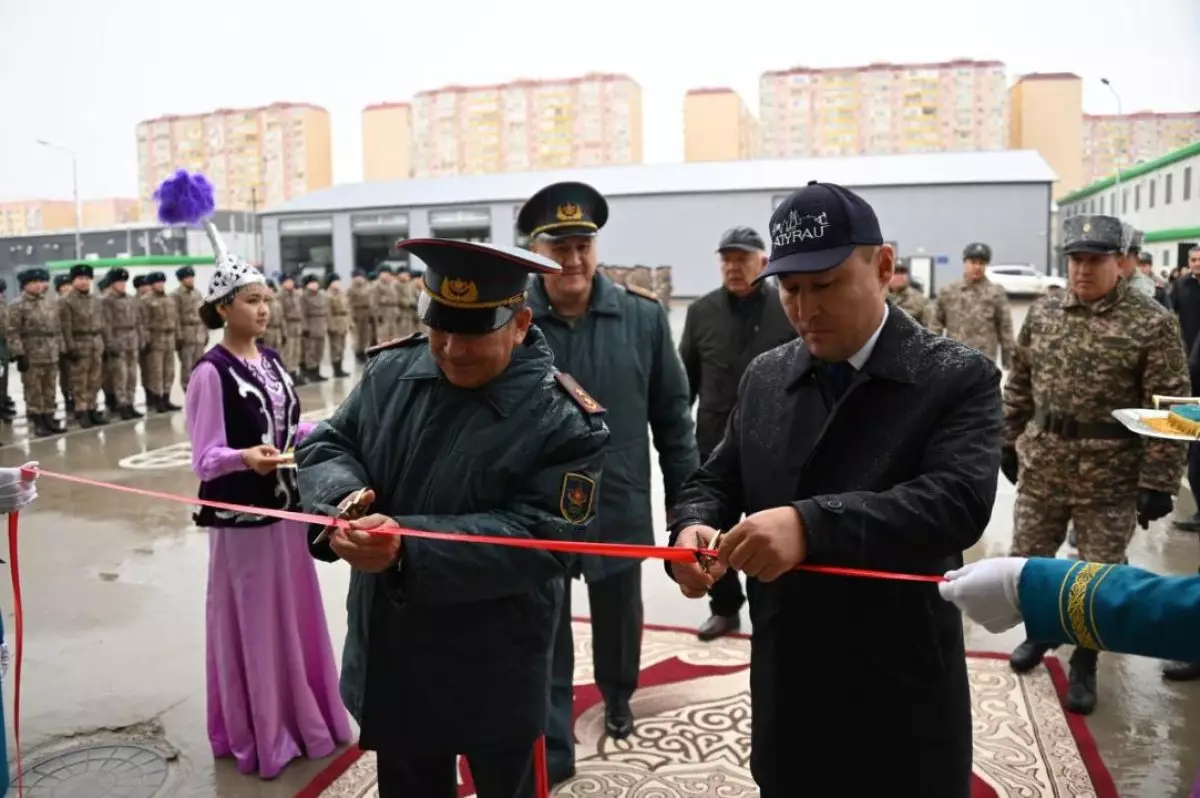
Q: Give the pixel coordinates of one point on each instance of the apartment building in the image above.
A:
(255, 157)
(29, 217)
(387, 141)
(1046, 114)
(527, 125)
(1112, 142)
(717, 126)
(884, 109)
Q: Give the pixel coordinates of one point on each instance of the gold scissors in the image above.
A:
(351, 507)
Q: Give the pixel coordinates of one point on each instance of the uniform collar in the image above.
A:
(1102, 304)
(508, 390)
(605, 299)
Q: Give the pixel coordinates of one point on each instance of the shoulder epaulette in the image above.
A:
(397, 343)
(577, 393)
(642, 292)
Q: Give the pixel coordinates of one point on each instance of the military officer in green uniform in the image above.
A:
(469, 430)
(616, 341)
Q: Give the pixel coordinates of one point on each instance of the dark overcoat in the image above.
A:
(899, 475)
(450, 652)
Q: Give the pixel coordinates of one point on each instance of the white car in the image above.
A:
(1017, 280)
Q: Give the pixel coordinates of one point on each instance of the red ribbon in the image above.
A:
(668, 553)
(627, 550)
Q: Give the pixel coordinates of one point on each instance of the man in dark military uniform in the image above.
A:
(1081, 354)
(617, 343)
(469, 430)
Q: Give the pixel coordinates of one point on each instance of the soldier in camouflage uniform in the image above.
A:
(293, 328)
(81, 317)
(1131, 261)
(62, 288)
(106, 375)
(339, 323)
(385, 301)
(406, 301)
(123, 342)
(974, 310)
(316, 328)
(1081, 354)
(141, 288)
(193, 335)
(907, 298)
(362, 313)
(34, 344)
(163, 338)
(8, 410)
(273, 335)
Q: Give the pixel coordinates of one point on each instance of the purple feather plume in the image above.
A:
(185, 199)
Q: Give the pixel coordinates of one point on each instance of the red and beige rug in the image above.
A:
(692, 736)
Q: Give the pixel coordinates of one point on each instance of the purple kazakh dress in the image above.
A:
(272, 678)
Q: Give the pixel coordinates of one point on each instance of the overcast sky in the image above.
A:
(82, 73)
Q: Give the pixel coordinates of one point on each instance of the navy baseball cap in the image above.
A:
(817, 227)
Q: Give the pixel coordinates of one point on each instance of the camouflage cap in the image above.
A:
(1101, 235)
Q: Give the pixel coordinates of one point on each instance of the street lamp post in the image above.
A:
(74, 194)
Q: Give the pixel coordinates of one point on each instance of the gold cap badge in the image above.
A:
(460, 291)
(1087, 228)
(570, 213)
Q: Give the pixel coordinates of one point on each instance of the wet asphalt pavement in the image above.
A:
(114, 591)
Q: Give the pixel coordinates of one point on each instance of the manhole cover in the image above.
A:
(98, 771)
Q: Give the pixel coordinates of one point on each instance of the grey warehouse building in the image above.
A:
(930, 205)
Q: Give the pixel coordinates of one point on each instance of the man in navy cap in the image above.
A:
(870, 443)
(469, 430)
(617, 342)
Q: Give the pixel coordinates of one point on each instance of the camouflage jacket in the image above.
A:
(187, 310)
(33, 329)
(122, 323)
(160, 320)
(1080, 362)
(293, 309)
(912, 302)
(316, 313)
(81, 318)
(339, 313)
(361, 296)
(976, 314)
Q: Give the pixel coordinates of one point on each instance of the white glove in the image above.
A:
(17, 490)
(988, 592)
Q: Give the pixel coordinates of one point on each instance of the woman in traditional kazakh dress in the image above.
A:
(272, 679)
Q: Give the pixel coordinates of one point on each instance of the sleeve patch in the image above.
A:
(577, 497)
(578, 394)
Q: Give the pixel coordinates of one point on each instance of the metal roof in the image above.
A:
(945, 168)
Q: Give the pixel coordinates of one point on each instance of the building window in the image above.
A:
(1187, 184)
(1152, 187)
(1167, 189)
(1124, 202)
(1137, 198)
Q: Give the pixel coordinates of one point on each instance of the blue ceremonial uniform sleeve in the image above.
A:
(1111, 608)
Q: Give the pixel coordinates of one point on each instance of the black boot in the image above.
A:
(85, 419)
(7, 413)
(338, 371)
(315, 375)
(1081, 686)
(166, 404)
(129, 412)
(110, 402)
(361, 357)
(69, 405)
(719, 626)
(298, 378)
(37, 424)
(98, 418)
(1028, 656)
(53, 424)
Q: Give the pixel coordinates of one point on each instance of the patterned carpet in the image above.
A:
(692, 736)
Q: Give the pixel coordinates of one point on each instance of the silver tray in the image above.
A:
(1135, 419)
